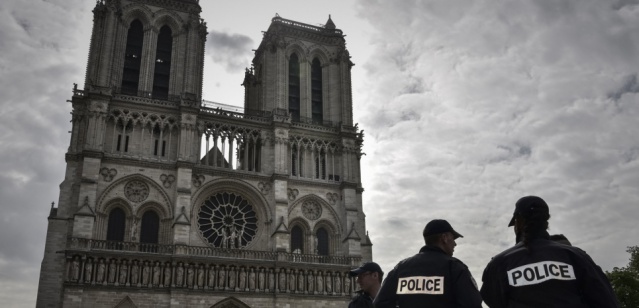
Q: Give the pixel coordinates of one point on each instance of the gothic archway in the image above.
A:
(230, 302)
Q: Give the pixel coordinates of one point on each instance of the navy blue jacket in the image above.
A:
(430, 278)
(361, 300)
(549, 275)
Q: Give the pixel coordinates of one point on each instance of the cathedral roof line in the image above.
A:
(328, 29)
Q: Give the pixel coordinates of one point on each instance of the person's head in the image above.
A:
(440, 233)
(369, 277)
(530, 218)
(561, 239)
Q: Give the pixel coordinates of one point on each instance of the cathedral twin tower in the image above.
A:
(167, 202)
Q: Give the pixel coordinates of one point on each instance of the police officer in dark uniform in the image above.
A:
(431, 278)
(539, 272)
(369, 277)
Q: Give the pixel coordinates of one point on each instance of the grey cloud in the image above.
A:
(414, 85)
(630, 86)
(232, 51)
(630, 155)
(517, 102)
(44, 50)
(624, 3)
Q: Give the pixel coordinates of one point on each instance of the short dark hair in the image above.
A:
(433, 240)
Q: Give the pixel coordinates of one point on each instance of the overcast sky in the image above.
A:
(466, 106)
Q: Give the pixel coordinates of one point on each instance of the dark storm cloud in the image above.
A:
(232, 51)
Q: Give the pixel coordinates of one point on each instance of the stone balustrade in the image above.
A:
(81, 244)
(104, 264)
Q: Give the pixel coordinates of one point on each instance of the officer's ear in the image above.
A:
(447, 237)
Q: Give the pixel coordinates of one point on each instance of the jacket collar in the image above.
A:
(431, 249)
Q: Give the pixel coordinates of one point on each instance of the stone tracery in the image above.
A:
(227, 220)
(230, 146)
(314, 158)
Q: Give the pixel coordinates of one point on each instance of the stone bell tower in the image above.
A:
(170, 201)
(302, 73)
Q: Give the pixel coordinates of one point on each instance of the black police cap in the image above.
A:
(529, 205)
(367, 267)
(437, 226)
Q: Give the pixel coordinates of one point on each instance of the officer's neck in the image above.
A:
(542, 234)
(374, 289)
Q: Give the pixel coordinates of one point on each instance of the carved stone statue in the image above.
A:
(123, 272)
(232, 278)
(179, 275)
(156, 274)
(221, 281)
(212, 277)
(300, 282)
(242, 284)
(309, 281)
(282, 281)
(134, 229)
(329, 283)
(347, 284)
(134, 273)
(291, 281)
(100, 275)
(190, 275)
(232, 239)
(74, 275)
(88, 271)
(261, 280)
(112, 271)
(271, 280)
(200, 276)
(167, 275)
(251, 279)
(338, 284)
(225, 238)
(320, 282)
(146, 271)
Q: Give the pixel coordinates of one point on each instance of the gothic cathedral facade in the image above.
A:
(170, 202)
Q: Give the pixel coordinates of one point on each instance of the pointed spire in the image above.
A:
(329, 23)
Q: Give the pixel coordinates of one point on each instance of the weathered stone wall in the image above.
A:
(95, 298)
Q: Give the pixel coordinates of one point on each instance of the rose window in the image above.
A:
(227, 220)
(311, 210)
(136, 191)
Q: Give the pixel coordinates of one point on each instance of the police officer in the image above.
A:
(539, 272)
(431, 278)
(369, 277)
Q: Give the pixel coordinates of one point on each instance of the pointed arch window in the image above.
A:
(297, 240)
(320, 165)
(163, 54)
(294, 160)
(294, 87)
(149, 228)
(115, 226)
(316, 92)
(133, 58)
(322, 242)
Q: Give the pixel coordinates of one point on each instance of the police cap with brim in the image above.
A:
(367, 267)
(527, 206)
(437, 226)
